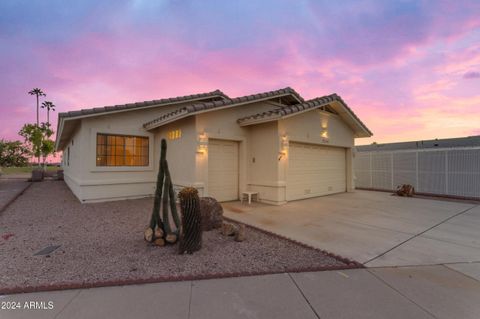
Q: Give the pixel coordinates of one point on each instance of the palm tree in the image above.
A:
(50, 107)
(38, 92)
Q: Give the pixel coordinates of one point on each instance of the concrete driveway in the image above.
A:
(374, 228)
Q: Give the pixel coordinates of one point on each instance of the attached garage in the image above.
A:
(223, 170)
(315, 170)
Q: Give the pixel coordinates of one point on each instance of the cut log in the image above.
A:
(171, 238)
(159, 242)
(405, 190)
(158, 233)
(240, 233)
(148, 234)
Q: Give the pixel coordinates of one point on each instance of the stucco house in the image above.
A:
(274, 143)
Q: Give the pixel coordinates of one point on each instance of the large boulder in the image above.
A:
(211, 212)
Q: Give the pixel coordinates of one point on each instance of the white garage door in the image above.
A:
(315, 170)
(223, 170)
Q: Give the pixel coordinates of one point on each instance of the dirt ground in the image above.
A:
(102, 244)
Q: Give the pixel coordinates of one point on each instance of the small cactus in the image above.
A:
(191, 236)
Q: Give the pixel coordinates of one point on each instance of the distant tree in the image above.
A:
(48, 146)
(13, 153)
(33, 136)
(37, 92)
(50, 107)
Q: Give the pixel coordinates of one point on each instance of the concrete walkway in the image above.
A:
(374, 228)
(451, 291)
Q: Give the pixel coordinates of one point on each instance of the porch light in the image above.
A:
(324, 133)
(283, 146)
(202, 143)
(324, 130)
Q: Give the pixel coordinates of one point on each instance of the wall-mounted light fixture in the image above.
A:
(174, 134)
(324, 133)
(324, 130)
(283, 146)
(202, 143)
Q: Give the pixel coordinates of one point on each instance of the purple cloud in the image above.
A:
(471, 75)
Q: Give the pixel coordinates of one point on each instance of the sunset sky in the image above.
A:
(409, 69)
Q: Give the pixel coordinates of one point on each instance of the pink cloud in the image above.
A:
(402, 76)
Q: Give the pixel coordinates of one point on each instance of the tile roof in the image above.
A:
(203, 106)
(292, 109)
(469, 141)
(178, 99)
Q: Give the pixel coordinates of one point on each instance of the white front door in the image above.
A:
(223, 170)
(315, 170)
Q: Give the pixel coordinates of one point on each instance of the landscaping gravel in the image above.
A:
(102, 244)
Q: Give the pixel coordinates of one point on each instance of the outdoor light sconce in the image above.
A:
(283, 147)
(202, 143)
(324, 134)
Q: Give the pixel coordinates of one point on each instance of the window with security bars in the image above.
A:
(122, 150)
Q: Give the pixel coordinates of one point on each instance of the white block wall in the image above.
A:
(454, 171)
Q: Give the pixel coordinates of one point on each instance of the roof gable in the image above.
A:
(333, 102)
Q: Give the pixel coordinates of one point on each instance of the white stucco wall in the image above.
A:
(181, 152)
(91, 183)
(263, 163)
(222, 124)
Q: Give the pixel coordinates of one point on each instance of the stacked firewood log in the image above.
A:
(405, 190)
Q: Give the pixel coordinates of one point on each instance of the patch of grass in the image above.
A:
(24, 169)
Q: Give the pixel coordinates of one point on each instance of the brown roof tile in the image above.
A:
(214, 104)
(104, 109)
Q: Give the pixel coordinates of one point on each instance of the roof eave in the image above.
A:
(127, 109)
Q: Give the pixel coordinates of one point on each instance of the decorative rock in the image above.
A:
(159, 242)
(229, 229)
(148, 234)
(240, 233)
(211, 212)
(171, 238)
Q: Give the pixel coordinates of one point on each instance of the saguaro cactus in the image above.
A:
(191, 236)
(164, 194)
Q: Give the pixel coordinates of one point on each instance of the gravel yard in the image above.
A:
(102, 244)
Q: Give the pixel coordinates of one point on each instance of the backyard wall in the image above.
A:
(446, 172)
